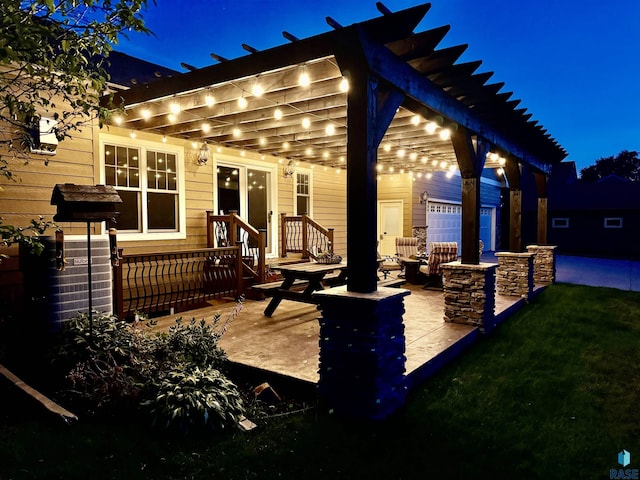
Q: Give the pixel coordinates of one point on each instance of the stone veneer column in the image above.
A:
(420, 232)
(544, 264)
(469, 294)
(514, 276)
(362, 347)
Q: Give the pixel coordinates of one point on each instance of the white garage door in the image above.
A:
(445, 223)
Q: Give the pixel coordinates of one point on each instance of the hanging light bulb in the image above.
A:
(172, 118)
(443, 165)
(242, 102)
(164, 139)
(236, 132)
(325, 154)
(206, 127)
(304, 80)
(400, 153)
(175, 108)
(257, 89)
(430, 128)
(415, 120)
(308, 151)
(262, 141)
(445, 134)
(344, 85)
(209, 101)
(387, 147)
(118, 119)
(277, 114)
(306, 123)
(429, 175)
(434, 163)
(424, 159)
(330, 129)
(413, 156)
(285, 145)
(146, 113)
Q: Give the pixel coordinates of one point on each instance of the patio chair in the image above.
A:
(439, 253)
(406, 247)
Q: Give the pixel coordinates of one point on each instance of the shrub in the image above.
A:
(193, 399)
(115, 366)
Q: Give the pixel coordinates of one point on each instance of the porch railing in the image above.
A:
(302, 234)
(231, 229)
(175, 281)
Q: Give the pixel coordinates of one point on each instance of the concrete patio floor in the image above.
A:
(287, 342)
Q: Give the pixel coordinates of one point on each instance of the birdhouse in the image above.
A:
(85, 203)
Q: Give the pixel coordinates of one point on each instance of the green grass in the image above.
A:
(553, 393)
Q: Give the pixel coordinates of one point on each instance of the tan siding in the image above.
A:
(330, 205)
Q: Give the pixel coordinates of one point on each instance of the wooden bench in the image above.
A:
(267, 289)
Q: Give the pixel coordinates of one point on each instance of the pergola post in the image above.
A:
(541, 188)
(514, 177)
(362, 344)
(471, 162)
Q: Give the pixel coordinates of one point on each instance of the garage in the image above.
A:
(445, 223)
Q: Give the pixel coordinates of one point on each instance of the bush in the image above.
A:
(115, 367)
(196, 398)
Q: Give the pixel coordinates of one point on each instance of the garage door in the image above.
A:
(445, 223)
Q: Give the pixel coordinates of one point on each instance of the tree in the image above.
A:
(626, 164)
(52, 62)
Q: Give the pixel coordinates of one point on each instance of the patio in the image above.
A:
(287, 342)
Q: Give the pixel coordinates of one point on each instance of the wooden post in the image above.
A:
(233, 229)
(262, 242)
(210, 243)
(371, 107)
(118, 303)
(471, 162)
(283, 235)
(512, 171)
(541, 188)
(305, 236)
(239, 282)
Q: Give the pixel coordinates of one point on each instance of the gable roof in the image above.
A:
(436, 90)
(127, 71)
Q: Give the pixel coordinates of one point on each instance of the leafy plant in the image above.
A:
(192, 399)
(28, 236)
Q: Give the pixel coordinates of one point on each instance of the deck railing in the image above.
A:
(302, 234)
(231, 229)
(175, 281)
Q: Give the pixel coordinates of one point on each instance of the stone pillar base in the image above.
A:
(544, 264)
(362, 346)
(514, 276)
(469, 294)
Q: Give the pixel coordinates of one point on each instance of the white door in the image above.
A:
(390, 215)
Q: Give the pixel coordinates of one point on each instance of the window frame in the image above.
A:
(556, 222)
(159, 147)
(618, 219)
(309, 173)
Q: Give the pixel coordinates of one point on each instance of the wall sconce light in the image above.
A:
(424, 197)
(289, 169)
(203, 154)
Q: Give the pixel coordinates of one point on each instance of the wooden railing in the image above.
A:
(176, 281)
(302, 234)
(231, 229)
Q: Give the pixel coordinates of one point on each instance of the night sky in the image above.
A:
(574, 64)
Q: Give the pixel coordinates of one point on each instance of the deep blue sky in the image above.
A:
(575, 64)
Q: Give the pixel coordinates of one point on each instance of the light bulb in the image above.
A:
(206, 127)
(445, 134)
(146, 113)
(431, 128)
(304, 80)
(344, 85)
(236, 132)
(175, 108)
(330, 129)
(257, 90)
(415, 120)
(209, 101)
(242, 102)
(387, 147)
(306, 123)
(277, 114)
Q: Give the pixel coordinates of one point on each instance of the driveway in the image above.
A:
(598, 272)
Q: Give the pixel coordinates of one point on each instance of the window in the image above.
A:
(148, 178)
(613, 222)
(303, 193)
(559, 223)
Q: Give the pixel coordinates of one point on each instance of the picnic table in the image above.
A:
(300, 280)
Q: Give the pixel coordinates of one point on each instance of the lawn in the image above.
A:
(553, 393)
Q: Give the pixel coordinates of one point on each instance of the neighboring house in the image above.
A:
(595, 219)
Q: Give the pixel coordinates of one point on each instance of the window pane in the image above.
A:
(162, 211)
(302, 205)
(109, 155)
(129, 218)
(134, 178)
(110, 175)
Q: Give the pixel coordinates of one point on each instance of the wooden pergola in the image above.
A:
(366, 97)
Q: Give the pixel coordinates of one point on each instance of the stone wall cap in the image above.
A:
(514, 254)
(542, 247)
(457, 265)
(381, 293)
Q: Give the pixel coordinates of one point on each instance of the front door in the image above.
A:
(390, 219)
(247, 190)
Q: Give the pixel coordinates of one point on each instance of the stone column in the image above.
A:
(469, 294)
(362, 352)
(544, 264)
(514, 276)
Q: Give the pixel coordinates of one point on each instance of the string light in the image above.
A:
(146, 113)
(304, 80)
(118, 119)
(413, 156)
(242, 103)
(172, 118)
(277, 114)
(387, 147)
(236, 132)
(430, 128)
(344, 85)
(175, 108)
(415, 120)
(445, 134)
(206, 128)
(330, 129)
(306, 123)
(257, 90)
(209, 101)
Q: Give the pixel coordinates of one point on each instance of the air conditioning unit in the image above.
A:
(45, 141)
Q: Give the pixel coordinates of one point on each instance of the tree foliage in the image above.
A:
(626, 164)
(52, 62)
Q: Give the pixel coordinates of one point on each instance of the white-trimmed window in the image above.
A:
(560, 222)
(149, 178)
(302, 192)
(613, 222)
